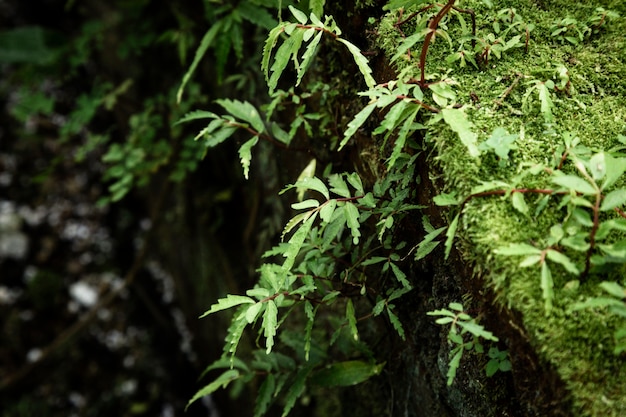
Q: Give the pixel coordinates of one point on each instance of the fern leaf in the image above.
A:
(356, 123)
(395, 322)
(221, 381)
(270, 43)
(245, 155)
(228, 302)
(307, 58)
(206, 42)
(296, 389)
(270, 323)
(296, 242)
(244, 111)
(288, 49)
(361, 62)
(265, 395)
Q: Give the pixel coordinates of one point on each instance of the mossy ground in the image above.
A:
(579, 345)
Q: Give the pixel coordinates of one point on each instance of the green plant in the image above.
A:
(462, 324)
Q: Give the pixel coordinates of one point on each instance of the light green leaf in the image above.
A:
(347, 373)
(530, 261)
(288, 49)
(477, 330)
(444, 199)
(253, 311)
(356, 182)
(270, 43)
(454, 365)
(270, 323)
(306, 204)
(614, 289)
(352, 220)
(228, 302)
(195, 115)
(547, 287)
(356, 123)
(613, 199)
(517, 199)
(220, 136)
(407, 127)
(327, 210)
(517, 249)
(311, 183)
(296, 242)
(427, 245)
(615, 168)
(350, 316)
(450, 235)
(574, 183)
(245, 154)
(317, 7)
(206, 42)
(597, 166)
(294, 221)
(339, 186)
(501, 142)
(457, 120)
(308, 56)
(300, 17)
(221, 381)
(244, 111)
(361, 62)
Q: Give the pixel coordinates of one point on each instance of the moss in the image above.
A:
(593, 108)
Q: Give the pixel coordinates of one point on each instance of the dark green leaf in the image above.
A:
(206, 42)
(450, 235)
(346, 373)
(220, 382)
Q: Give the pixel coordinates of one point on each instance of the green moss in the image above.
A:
(577, 344)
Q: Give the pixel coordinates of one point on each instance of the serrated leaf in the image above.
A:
(245, 155)
(228, 302)
(287, 50)
(219, 136)
(501, 142)
(244, 111)
(444, 199)
(454, 365)
(270, 323)
(408, 43)
(400, 275)
(295, 390)
(300, 17)
(356, 123)
(296, 242)
(350, 316)
(547, 287)
(294, 221)
(343, 374)
(517, 249)
(355, 181)
(265, 395)
(575, 183)
(207, 41)
(312, 183)
(477, 330)
(395, 322)
(270, 43)
(405, 130)
(361, 62)
(256, 15)
(339, 186)
(457, 120)
(613, 199)
(450, 234)
(221, 381)
(352, 221)
(308, 56)
(309, 311)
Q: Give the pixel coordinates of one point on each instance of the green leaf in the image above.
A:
(530, 261)
(296, 388)
(308, 56)
(312, 183)
(501, 142)
(253, 311)
(265, 395)
(395, 322)
(454, 365)
(613, 199)
(356, 123)
(244, 111)
(206, 42)
(407, 127)
(457, 120)
(597, 166)
(575, 183)
(288, 49)
(517, 199)
(270, 323)
(547, 287)
(221, 381)
(614, 289)
(355, 181)
(228, 302)
(306, 204)
(427, 245)
(444, 199)
(245, 155)
(559, 258)
(294, 221)
(450, 235)
(352, 220)
(615, 168)
(327, 210)
(400, 275)
(300, 17)
(220, 136)
(270, 43)
(196, 115)
(339, 186)
(361, 62)
(309, 311)
(317, 7)
(350, 316)
(343, 374)
(477, 330)
(296, 242)
(517, 249)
